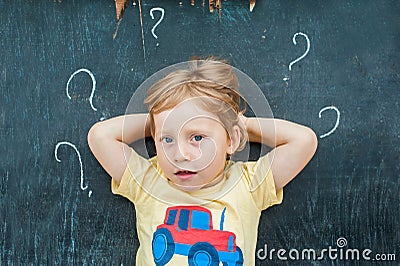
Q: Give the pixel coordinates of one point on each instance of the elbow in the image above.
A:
(311, 141)
(94, 135)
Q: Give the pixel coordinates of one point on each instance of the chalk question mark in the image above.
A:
(337, 119)
(93, 85)
(295, 43)
(79, 157)
(158, 22)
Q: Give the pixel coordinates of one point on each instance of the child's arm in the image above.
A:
(294, 145)
(109, 141)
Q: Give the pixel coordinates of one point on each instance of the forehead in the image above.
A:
(186, 113)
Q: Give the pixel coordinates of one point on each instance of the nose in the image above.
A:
(184, 152)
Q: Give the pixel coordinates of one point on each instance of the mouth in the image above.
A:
(184, 174)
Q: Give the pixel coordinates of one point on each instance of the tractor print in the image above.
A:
(188, 231)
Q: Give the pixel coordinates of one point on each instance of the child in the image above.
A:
(194, 206)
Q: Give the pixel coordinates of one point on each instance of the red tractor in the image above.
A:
(188, 231)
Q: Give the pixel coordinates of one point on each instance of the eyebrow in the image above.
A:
(195, 129)
(163, 134)
(198, 129)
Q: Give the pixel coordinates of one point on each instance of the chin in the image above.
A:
(187, 188)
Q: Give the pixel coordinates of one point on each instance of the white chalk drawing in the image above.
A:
(80, 161)
(337, 119)
(142, 27)
(93, 85)
(158, 22)
(295, 43)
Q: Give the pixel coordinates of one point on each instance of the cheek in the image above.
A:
(207, 147)
(164, 166)
(165, 152)
(212, 148)
(160, 148)
(161, 157)
(215, 152)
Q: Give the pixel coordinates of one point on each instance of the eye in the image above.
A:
(166, 140)
(197, 138)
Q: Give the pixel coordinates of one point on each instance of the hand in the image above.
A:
(243, 120)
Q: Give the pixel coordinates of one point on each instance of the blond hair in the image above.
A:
(211, 81)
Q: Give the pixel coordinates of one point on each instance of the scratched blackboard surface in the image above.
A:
(347, 88)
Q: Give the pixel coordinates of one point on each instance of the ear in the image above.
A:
(233, 140)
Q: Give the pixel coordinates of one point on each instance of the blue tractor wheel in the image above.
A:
(203, 254)
(163, 246)
(239, 261)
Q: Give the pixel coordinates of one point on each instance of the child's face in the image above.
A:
(191, 145)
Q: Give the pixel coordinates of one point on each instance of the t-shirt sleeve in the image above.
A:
(132, 177)
(262, 184)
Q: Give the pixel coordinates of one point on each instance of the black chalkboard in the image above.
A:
(347, 198)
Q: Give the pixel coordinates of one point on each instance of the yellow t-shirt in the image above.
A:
(218, 223)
